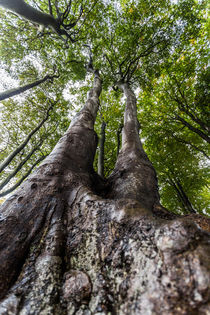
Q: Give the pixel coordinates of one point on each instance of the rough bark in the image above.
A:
(72, 244)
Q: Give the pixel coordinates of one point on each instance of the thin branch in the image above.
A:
(110, 63)
(50, 7)
(66, 12)
(192, 128)
(192, 145)
(71, 25)
(24, 143)
(146, 52)
(20, 165)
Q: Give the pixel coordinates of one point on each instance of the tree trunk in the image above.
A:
(119, 131)
(19, 182)
(101, 149)
(9, 159)
(194, 129)
(6, 180)
(9, 93)
(74, 244)
(185, 202)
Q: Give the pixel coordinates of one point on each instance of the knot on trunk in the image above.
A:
(77, 286)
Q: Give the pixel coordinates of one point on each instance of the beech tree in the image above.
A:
(72, 240)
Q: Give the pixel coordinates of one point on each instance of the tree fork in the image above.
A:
(134, 176)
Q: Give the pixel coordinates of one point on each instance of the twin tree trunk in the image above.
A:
(73, 243)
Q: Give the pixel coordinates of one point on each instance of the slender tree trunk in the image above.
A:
(185, 198)
(8, 160)
(182, 196)
(19, 166)
(119, 131)
(21, 89)
(101, 150)
(19, 182)
(70, 244)
(194, 129)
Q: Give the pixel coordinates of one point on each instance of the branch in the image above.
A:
(50, 7)
(24, 143)
(20, 165)
(186, 109)
(90, 67)
(196, 148)
(145, 53)
(71, 25)
(192, 128)
(19, 90)
(110, 63)
(36, 16)
(66, 12)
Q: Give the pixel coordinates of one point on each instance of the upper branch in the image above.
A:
(21, 89)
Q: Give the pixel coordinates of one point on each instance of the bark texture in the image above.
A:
(71, 243)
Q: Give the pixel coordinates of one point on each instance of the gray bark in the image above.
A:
(70, 244)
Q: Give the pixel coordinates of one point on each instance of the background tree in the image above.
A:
(175, 120)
